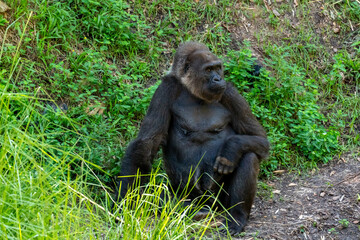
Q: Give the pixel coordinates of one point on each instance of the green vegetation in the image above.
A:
(76, 77)
(344, 223)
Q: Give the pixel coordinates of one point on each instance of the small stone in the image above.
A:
(3, 7)
(276, 191)
(292, 184)
(335, 198)
(322, 194)
(279, 171)
(276, 13)
(336, 30)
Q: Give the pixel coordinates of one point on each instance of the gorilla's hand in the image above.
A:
(223, 165)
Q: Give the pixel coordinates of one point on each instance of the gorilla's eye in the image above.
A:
(186, 67)
(208, 70)
(186, 132)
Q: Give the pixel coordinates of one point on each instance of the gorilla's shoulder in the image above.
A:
(170, 78)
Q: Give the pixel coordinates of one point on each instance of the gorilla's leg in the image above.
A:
(241, 190)
(136, 160)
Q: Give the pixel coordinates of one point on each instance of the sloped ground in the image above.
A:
(322, 205)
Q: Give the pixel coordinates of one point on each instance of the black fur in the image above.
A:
(194, 118)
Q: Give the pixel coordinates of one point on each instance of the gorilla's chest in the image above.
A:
(194, 115)
(197, 131)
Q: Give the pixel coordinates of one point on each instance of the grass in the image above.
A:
(62, 61)
(43, 198)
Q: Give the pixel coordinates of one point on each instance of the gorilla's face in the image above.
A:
(203, 76)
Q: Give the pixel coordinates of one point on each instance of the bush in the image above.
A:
(286, 106)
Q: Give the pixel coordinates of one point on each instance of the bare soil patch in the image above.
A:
(324, 204)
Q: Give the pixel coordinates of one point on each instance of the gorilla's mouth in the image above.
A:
(217, 89)
(217, 86)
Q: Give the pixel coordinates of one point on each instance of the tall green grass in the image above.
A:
(43, 197)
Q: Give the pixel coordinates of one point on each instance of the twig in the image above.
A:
(347, 179)
(266, 5)
(246, 28)
(351, 26)
(282, 224)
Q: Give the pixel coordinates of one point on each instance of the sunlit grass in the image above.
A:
(42, 198)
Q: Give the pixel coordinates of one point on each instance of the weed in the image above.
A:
(273, 20)
(344, 223)
(264, 190)
(3, 21)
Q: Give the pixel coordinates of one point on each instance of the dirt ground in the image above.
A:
(324, 204)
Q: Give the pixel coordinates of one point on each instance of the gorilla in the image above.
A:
(206, 130)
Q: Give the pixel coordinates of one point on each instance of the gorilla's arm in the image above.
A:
(251, 136)
(141, 151)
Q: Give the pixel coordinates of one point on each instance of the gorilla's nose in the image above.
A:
(216, 79)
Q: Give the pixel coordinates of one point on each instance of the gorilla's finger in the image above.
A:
(221, 169)
(216, 165)
(226, 170)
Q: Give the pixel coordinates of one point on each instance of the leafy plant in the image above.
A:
(3, 21)
(286, 105)
(107, 23)
(344, 222)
